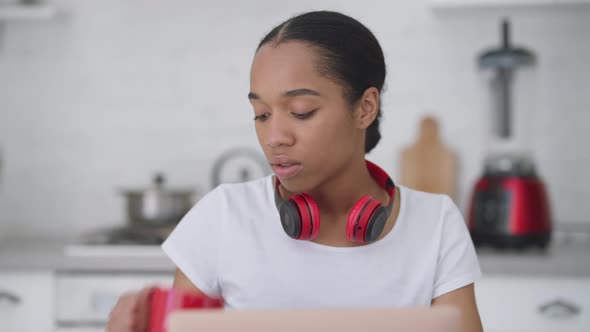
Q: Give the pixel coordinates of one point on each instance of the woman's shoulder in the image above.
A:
(426, 200)
(425, 208)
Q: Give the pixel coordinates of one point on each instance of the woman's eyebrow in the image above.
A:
(301, 92)
(290, 93)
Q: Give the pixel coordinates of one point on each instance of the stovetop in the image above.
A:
(129, 241)
(127, 235)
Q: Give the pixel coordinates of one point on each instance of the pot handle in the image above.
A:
(159, 180)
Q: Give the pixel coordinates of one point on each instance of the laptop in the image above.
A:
(439, 319)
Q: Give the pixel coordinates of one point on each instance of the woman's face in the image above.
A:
(304, 124)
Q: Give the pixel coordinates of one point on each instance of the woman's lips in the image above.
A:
(285, 171)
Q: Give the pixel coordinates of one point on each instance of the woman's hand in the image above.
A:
(131, 313)
(464, 299)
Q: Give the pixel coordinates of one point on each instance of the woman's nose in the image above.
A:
(278, 133)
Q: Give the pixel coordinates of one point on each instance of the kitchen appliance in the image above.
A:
(509, 205)
(238, 164)
(127, 235)
(84, 299)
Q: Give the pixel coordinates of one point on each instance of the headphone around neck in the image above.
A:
(300, 214)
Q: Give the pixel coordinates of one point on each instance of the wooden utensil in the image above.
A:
(428, 164)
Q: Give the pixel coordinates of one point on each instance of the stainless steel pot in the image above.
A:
(157, 205)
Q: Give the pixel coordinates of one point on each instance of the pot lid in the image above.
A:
(158, 186)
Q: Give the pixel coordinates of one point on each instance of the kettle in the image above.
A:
(238, 164)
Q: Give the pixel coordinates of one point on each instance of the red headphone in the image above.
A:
(300, 214)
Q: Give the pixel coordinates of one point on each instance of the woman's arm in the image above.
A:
(464, 299)
(182, 282)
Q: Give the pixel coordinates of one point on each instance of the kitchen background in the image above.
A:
(99, 96)
(105, 93)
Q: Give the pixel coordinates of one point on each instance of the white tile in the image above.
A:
(116, 90)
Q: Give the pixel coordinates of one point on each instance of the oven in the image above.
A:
(85, 299)
(101, 267)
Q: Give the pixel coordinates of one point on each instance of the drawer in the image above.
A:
(24, 295)
(515, 304)
(89, 298)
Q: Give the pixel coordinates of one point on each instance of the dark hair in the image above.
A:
(349, 53)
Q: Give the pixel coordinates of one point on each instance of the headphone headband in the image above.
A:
(377, 173)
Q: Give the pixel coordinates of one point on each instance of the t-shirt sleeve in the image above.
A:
(194, 243)
(457, 263)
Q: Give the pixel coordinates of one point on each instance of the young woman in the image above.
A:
(328, 229)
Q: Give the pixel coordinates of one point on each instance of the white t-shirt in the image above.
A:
(232, 244)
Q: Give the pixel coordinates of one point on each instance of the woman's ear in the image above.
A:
(367, 108)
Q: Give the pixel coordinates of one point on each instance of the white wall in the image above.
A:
(113, 90)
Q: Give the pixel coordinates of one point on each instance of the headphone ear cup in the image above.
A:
(314, 213)
(353, 217)
(309, 216)
(290, 218)
(376, 224)
(360, 226)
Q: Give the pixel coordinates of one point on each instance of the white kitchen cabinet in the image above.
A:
(527, 304)
(84, 300)
(26, 301)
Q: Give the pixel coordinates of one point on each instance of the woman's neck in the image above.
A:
(337, 194)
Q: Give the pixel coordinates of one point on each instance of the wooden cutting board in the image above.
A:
(428, 164)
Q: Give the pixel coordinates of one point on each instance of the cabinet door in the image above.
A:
(518, 304)
(87, 299)
(26, 301)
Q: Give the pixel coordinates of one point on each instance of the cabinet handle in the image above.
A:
(10, 298)
(559, 309)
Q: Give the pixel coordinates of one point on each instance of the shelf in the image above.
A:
(502, 3)
(26, 12)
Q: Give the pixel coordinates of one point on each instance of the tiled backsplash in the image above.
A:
(111, 91)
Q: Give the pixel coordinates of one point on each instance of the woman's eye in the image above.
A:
(303, 116)
(261, 117)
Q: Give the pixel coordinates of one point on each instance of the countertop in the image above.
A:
(564, 258)
(60, 255)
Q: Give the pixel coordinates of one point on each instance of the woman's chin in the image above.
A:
(296, 185)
